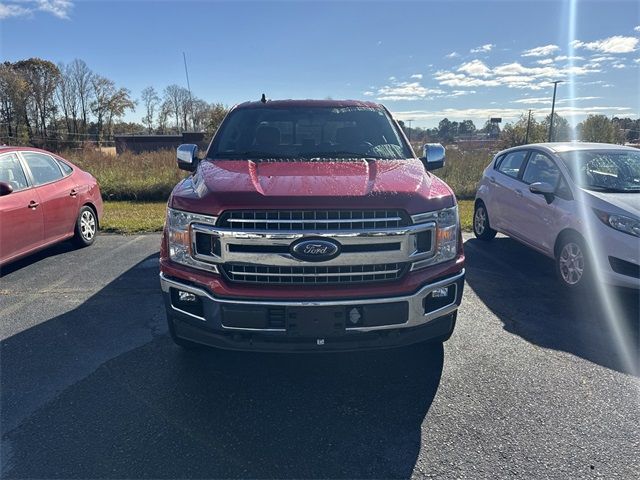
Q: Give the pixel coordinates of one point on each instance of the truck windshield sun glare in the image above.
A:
(311, 225)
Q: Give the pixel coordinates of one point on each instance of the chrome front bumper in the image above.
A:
(212, 319)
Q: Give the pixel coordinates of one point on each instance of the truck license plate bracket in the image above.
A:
(315, 321)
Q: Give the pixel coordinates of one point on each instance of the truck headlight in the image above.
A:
(179, 237)
(621, 223)
(446, 235)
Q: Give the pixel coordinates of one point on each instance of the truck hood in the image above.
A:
(243, 184)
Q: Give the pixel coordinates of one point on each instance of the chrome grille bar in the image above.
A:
(307, 220)
(313, 275)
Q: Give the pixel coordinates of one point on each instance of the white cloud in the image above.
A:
(417, 76)
(637, 29)
(548, 100)
(545, 61)
(403, 91)
(619, 65)
(57, 8)
(512, 75)
(615, 44)
(475, 68)
(561, 58)
(7, 11)
(508, 114)
(483, 48)
(541, 51)
(452, 55)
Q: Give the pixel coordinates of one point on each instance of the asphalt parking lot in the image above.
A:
(533, 383)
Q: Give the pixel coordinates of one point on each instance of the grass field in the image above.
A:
(138, 217)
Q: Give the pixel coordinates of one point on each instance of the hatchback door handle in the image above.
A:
(518, 193)
(33, 204)
(492, 179)
(73, 192)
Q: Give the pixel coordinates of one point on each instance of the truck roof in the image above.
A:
(309, 103)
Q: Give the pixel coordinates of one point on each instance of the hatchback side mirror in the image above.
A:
(433, 156)
(543, 188)
(187, 157)
(5, 189)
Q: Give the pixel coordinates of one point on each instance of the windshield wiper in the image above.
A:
(249, 154)
(341, 154)
(599, 188)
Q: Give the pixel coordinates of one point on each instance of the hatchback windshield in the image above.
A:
(308, 132)
(605, 170)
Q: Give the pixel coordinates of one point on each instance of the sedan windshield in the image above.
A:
(308, 132)
(605, 170)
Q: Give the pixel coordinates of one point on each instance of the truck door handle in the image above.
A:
(519, 193)
(73, 192)
(33, 204)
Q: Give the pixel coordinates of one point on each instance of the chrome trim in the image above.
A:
(346, 220)
(345, 274)
(415, 318)
(403, 235)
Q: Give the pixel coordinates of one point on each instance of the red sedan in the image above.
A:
(44, 199)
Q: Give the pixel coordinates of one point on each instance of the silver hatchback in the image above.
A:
(578, 203)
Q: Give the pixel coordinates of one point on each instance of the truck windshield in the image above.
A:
(605, 170)
(308, 132)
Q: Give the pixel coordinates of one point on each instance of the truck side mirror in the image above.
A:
(5, 189)
(433, 156)
(187, 157)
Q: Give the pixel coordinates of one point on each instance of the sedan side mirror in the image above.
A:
(5, 189)
(543, 188)
(187, 157)
(432, 156)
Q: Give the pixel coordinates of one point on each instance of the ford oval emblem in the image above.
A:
(315, 249)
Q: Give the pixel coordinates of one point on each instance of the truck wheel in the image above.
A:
(86, 227)
(481, 226)
(573, 267)
(181, 342)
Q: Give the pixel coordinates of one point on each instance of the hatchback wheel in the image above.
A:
(481, 227)
(572, 263)
(86, 227)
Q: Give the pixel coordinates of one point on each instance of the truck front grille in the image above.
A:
(310, 275)
(313, 220)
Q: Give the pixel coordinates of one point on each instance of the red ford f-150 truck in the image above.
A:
(311, 225)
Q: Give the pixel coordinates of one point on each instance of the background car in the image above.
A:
(44, 199)
(578, 203)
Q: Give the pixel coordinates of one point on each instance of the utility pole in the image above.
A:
(526, 140)
(193, 119)
(553, 106)
(409, 131)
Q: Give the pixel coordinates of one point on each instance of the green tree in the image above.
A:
(598, 128)
(562, 131)
(514, 134)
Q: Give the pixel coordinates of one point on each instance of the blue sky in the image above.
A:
(425, 60)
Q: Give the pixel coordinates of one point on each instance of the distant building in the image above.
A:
(151, 143)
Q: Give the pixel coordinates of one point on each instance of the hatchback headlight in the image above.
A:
(621, 223)
(179, 236)
(446, 235)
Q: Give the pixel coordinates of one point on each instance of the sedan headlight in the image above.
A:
(621, 223)
(446, 235)
(179, 237)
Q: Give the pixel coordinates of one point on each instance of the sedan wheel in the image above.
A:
(86, 227)
(573, 265)
(481, 227)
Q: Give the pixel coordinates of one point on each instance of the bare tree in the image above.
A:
(119, 102)
(82, 76)
(178, 98)
(163, 117)
(150, 100)
(103, 90)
